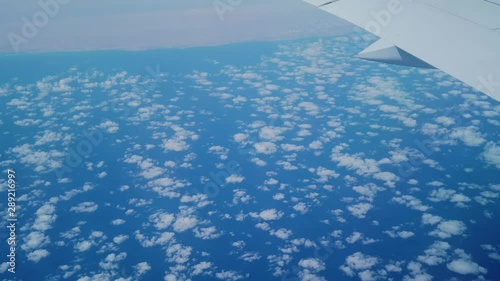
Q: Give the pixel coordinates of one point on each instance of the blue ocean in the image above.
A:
(288, 160)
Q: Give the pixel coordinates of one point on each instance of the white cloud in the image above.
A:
(34, 240)
(279, 196)
(239, 244)
(240, 137)
(301, 207)
(249, 75)
(313, 264)
(265, 147)
(229, 275)
(271, 133)
(219, 150)
(411, 202)
(389, 108)
(45, 217)
(97, 234)
(72, 233)
(250, 256)
(446, 121)
(359, 210)
(446, 229)
(430, 219)
(325, 174)
(355, 236)
(111, 261)
(368, 191)
(48, 137)
(316, 145)
(468, 135)
(235, 179)
(184, 223)
(168, 277)
(388, 177)
(441, 194)
(110, 126)
(117, 222)
(491, 154)
(287, 165)
(292, 147)
(206, 233)
(436, 254)
(304, 133)
(418, 273)
(85, 207)
(263, 225)
(358, 262)
(175, 145)
(405, 234)
(270, 214)
(241, 196)
(4, 266)
(460, 200)
(355, 162)
(259, 162)
(201, 267)
(462, 266)
(120, 239)
(64, 180)
(162, 239)
(282, 233)
(83, 246)
(271, 181)
(178, 253)
(37, 255)
(367, 275)
(413, 181)
(170, 164)
(309, 107)
(150, 171)
(43, 161)
(142, 268)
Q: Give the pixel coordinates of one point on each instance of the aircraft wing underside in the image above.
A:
(459, 37)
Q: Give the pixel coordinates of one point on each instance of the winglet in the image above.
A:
(385, 52)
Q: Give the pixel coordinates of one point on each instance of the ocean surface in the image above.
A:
(288, 160)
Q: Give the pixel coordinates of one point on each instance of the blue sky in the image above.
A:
(113, 24)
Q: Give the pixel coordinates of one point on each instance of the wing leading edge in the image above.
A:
(445, 34)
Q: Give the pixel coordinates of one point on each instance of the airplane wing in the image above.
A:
(459, 37)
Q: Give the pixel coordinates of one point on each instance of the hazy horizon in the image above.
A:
(65, 25)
